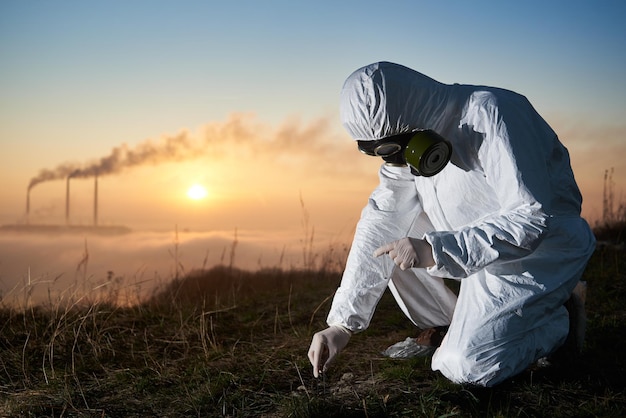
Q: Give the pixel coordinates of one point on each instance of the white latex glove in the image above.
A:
(408, 253)
(326, 345)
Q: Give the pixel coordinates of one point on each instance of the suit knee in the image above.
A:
(462, 367)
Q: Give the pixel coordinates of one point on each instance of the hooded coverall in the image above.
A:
(503, 217)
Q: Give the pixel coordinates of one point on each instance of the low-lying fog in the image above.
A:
(38, 267)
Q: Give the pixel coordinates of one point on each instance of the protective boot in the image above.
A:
(423, 345)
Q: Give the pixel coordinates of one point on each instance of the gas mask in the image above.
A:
(425, 152)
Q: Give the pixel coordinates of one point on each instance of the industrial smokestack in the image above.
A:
(27, 205)
(95, 201)
(67, 200)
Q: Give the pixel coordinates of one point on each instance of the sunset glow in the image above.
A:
(197, 192)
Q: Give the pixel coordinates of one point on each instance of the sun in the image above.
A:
(197, 192)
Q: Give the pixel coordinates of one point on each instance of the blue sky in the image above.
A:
(240, 55)
(81, 77)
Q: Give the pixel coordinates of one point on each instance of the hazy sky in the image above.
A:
(246, 92)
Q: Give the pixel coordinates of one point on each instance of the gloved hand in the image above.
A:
(408, 253)
(326, 345)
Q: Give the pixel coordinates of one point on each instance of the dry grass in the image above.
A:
(225, 342)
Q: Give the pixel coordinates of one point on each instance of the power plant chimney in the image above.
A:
(67, 200)
(95, 201)
(27, 205)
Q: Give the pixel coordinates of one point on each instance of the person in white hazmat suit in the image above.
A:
(502, 216)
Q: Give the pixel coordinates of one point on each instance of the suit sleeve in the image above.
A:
(390, 212)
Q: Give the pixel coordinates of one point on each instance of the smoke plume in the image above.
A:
(240, 134)
(176, 148)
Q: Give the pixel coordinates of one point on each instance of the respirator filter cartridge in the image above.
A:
(427, 153)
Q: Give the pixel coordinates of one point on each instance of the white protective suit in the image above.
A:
(504, 219)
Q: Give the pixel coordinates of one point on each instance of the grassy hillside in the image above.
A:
(225, 342)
